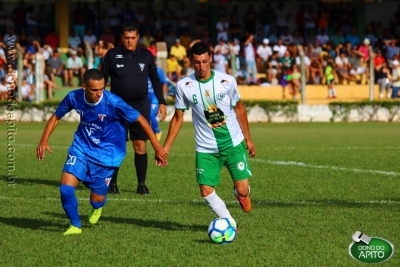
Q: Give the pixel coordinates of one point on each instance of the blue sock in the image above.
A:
(97, 205)
(70, 204)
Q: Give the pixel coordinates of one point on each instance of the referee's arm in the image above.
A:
(158, 91)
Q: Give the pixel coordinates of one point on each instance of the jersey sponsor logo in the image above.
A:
(199, 171)
(96, 140)
(120, 65)
(141, 65)
(119, 56)
(240, 166)
(107, 180)
(102, 116)
(90, 130)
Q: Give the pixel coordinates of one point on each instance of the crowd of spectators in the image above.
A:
(256, 46)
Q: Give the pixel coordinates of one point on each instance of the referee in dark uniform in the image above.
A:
(129, 67)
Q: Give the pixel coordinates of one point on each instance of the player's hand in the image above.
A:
(162, 110)
(251, 148)
(41, 149)
(161, 157)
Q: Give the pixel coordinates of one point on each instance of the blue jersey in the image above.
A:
(151, 95)
(100, 136)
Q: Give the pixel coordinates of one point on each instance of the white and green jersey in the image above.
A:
(212, 102)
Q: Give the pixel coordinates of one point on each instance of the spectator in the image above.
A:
(310, 19)
(159, 37)
(75, 68)
(352, 38)
(220, 63)
(273, 68)
(286, 38)
(347, 19)
(55, 67)
(250, 60)
(383, 78)
(22, 39)
(153, 48)
(74, 41)
(280, 48)
(223, 47)
(107, 37)
(307, 65)
(337, 38)
(185, 40)
(370, 35)
(170, 39)
(322, 37)
(35, 36)
(206, 38)
(259, 37)
(391, 48)
(272, 36)
(310, 37)
(330, 79)
(147, 38)
(342, 66)
(173, 69)
(90, 38)
(323, 20)
(52, 39)
(222, 28)
(297, 38)
(356, 68)
(178, 51)
(395, 79)
(263, 52)
(295, 81)
(27, 91)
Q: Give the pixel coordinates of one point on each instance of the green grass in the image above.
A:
(313, 186)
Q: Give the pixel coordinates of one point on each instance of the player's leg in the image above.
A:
(236, 161)
(208, 168)
(139, 138)
(73, 168)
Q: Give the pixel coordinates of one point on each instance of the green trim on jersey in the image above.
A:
(209, 79)
(223, 138)
(182, 108)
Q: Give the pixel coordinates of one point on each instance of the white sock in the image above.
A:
(218, 206)
(236, 193)
(333, 92)
(330, 92)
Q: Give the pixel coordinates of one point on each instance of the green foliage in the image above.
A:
(367, 108)
(288, 108)
(313, 186)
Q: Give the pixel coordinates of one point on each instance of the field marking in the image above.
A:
(260, 202)
(279, 162)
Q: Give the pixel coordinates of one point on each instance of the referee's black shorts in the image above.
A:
(134, 130)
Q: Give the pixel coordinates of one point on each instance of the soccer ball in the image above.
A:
(222, 231)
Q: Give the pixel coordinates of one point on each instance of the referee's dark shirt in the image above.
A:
(129, 72)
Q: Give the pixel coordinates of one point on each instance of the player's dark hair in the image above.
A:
(130, 27)
(199, 49)
(92, 74)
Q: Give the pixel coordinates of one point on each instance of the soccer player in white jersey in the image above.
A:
(221, 129)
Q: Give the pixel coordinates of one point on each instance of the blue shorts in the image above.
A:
(93, 176)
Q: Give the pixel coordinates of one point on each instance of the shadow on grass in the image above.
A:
(164, 225)
(33, 224)
(26, 181)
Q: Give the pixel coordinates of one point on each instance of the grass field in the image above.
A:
(313, 186)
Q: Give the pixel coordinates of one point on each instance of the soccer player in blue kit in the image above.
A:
(98, 147)
(154, 102)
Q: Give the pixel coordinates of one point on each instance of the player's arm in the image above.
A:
(158, 91)
(43, 144)
(174, 127)
(244, 125)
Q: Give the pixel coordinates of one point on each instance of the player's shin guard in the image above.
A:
(70, 204)
(141, 168)
(218, 206)
(97, 205)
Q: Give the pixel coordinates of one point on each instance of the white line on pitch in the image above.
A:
(260, 202)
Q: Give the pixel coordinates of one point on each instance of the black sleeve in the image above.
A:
(105, 67)
(155, 81)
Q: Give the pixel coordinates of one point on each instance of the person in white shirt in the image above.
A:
(222, 45)
(221, 130)
(220, 63)
(263, 52)
(90, 37)
(250, 60)
(286, 37)
(75, 67)
(280, 48)
(322, 38)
